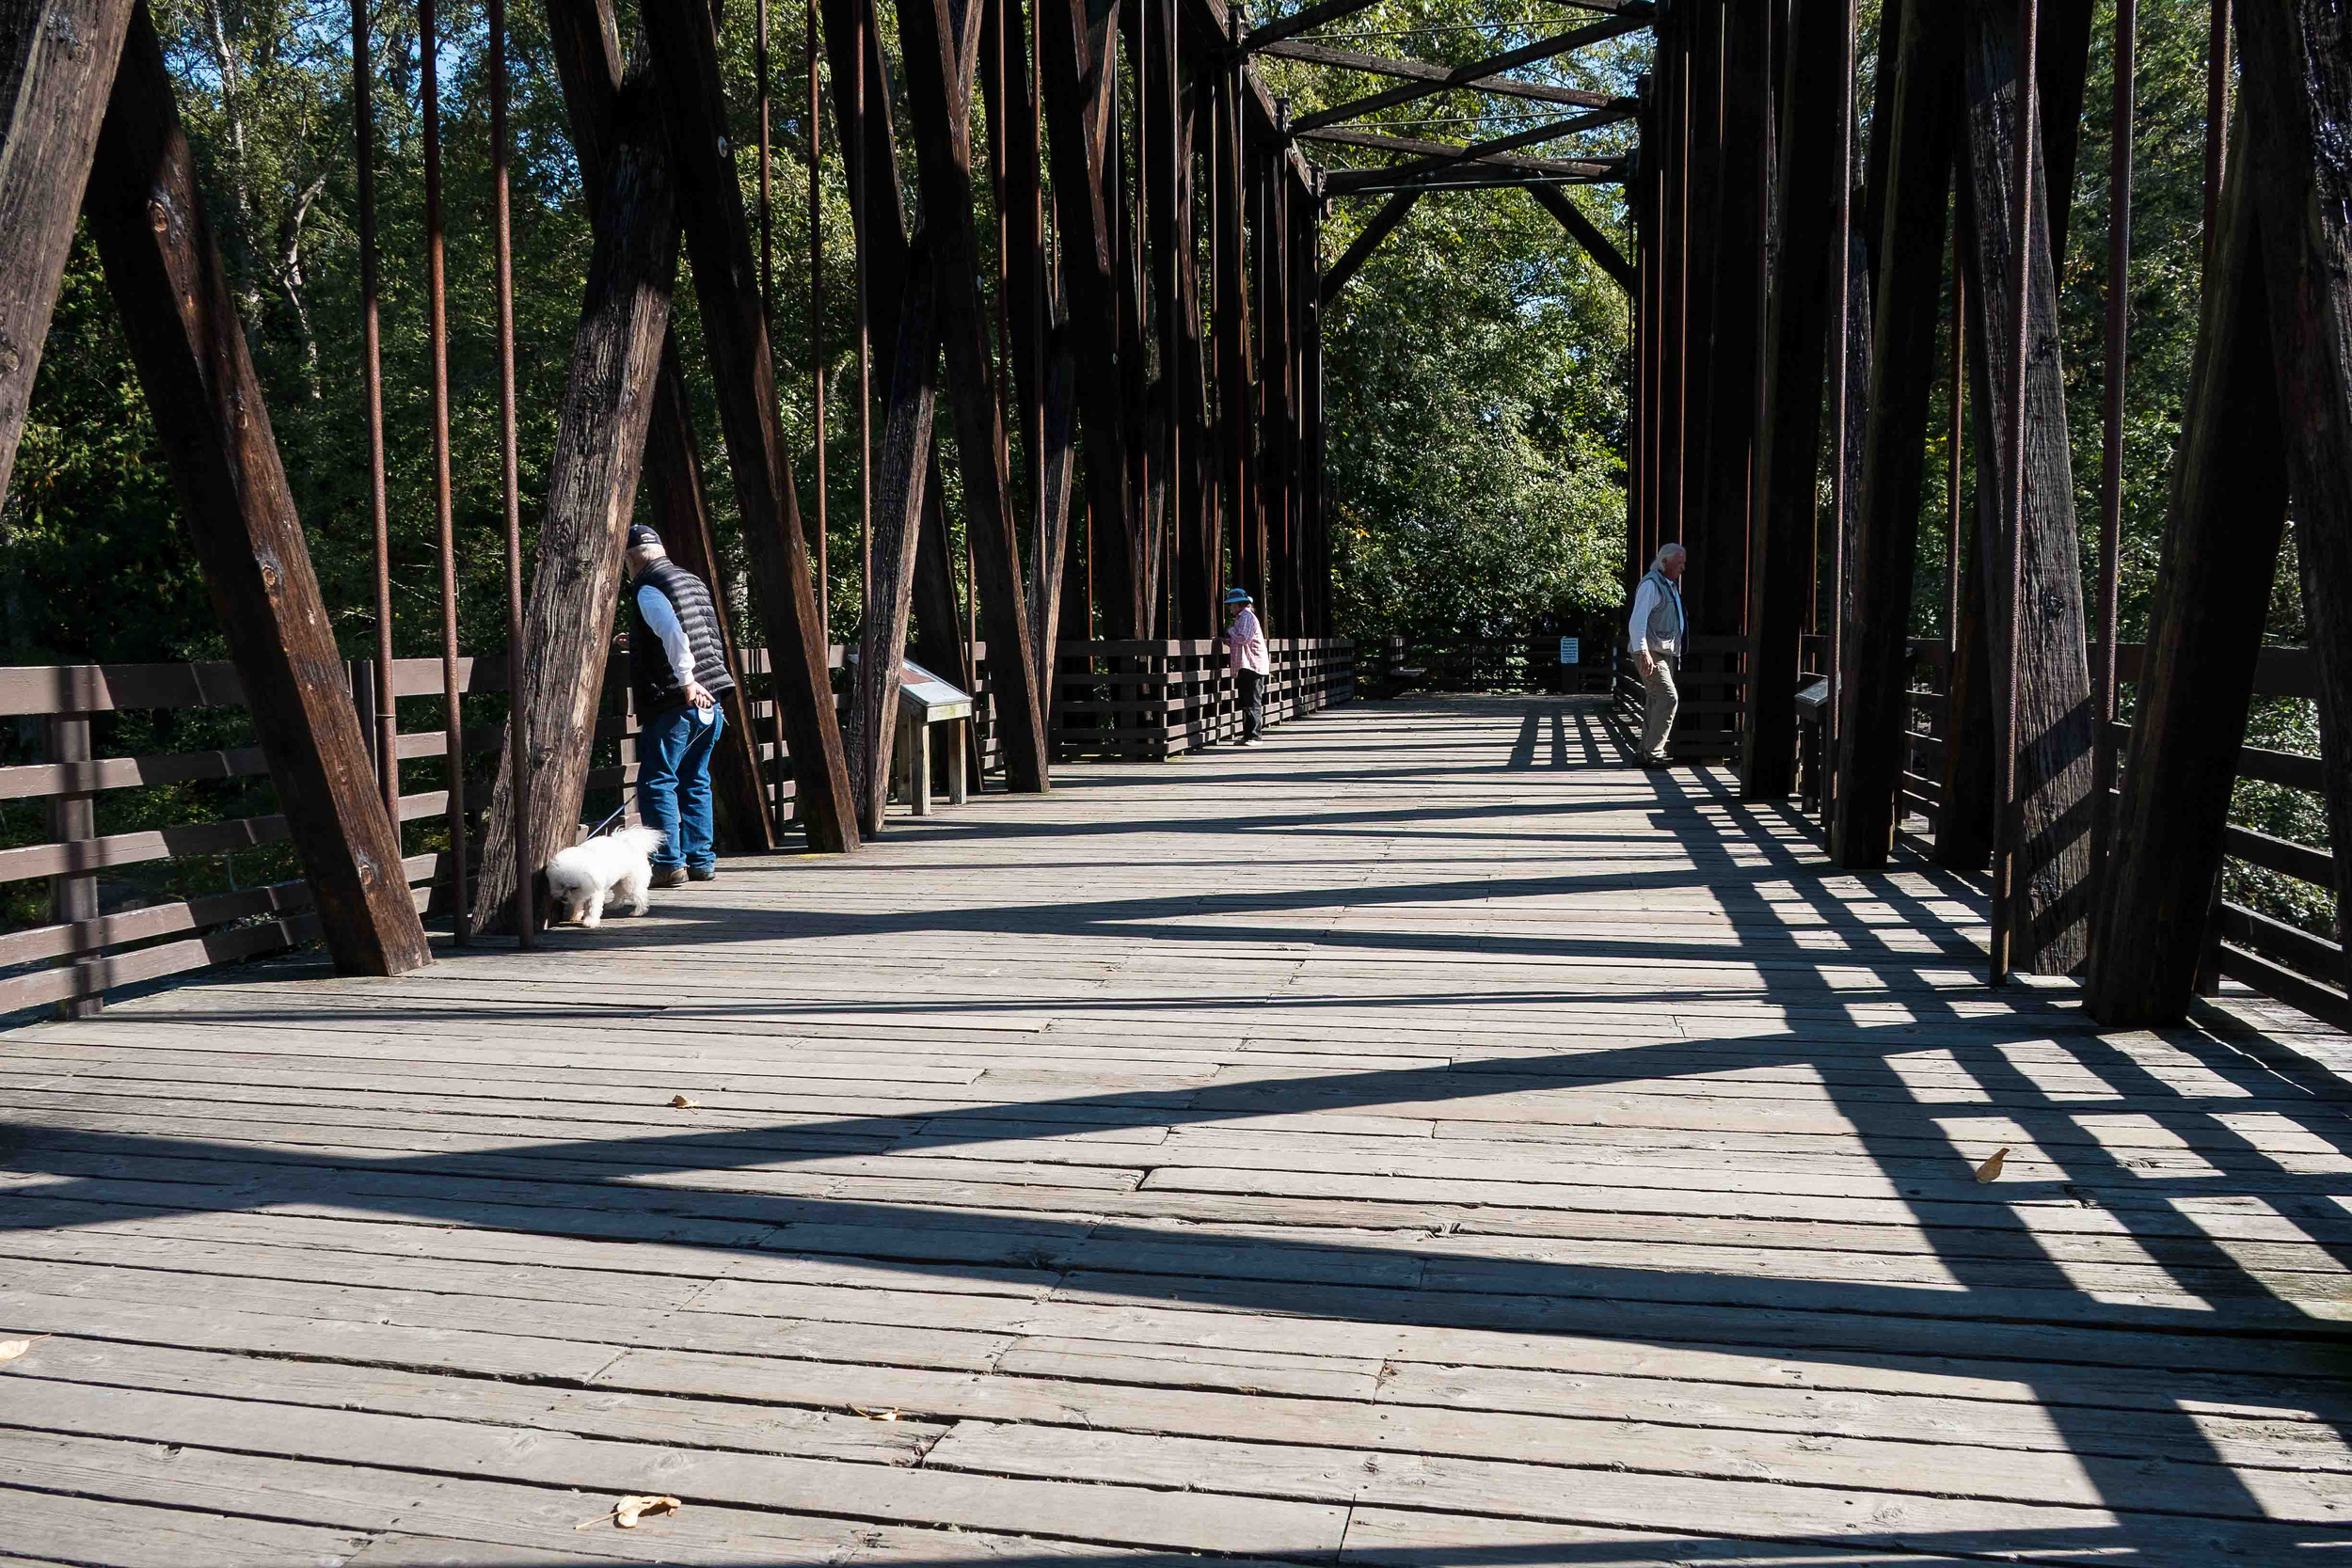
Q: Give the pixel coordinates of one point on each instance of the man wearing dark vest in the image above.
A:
(678, 666)
(1658, 637)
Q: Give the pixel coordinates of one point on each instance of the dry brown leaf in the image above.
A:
(679, 1101)
(1991, 1169)
(875, 1415)
(626, 1512)
(11, 1348)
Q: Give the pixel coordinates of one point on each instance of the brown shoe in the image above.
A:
(668, 876)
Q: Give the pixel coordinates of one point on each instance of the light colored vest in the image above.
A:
(1667, 628)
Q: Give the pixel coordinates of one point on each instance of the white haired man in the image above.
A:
(1656, 632)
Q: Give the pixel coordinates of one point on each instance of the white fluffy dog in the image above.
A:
(616, 867)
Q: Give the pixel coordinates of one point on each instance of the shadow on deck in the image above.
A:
(1424, 1139)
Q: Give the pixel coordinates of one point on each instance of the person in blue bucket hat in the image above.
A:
(1245, 641)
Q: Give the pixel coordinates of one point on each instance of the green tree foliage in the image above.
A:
(1477, 366)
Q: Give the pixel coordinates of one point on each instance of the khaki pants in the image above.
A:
(1660, 699)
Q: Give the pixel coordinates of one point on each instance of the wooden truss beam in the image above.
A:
(734, 329)
(1383, 223)
(1797, 323)
(591, 488)
(1477, 71)
(2051, 687)
(587, 47)
(942, 53)
(2297, 89)
(1417, 70)
(1532, 136)
(1300, 21)
(57, 69)
(1341, 180)
(1874, 687)
(147, 212)
(2221, 537)
(1582, 230)
(1079, 43)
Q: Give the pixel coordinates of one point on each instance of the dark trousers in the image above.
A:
(1252, 691)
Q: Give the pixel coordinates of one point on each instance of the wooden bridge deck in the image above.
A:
(1421, 1140)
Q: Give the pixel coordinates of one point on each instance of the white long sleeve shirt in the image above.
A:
(1637, 627)
(1247, 642)
(653, 609)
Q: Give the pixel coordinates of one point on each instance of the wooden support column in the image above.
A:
(878, 212)
(2222, 530)
(1704, 529)
(903, 462)
(2297, 89)
(1080, 41)
(56, 66)
(178, 315)
(1673, 49)
(1230, 328)
(1780, 564)
(940, 62)
(1918, 113)
(592, 489)
(587, 47)
(2053, 688)
(734, 329)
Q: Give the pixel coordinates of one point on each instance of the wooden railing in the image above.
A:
(81, 951)
(1712, 682)
(2280, 960)
(1523, 663)
(1149, 700)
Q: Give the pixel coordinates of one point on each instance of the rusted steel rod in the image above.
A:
(2009, 827)
(518, 720)
(2112, 442)
(1952, 514)
(2217, 118)
(854, 162)
(816, 337)
(387, 736)
(766, 198)
(1841, 433)
(444, 510)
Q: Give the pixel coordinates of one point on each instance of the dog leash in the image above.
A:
(598, 831)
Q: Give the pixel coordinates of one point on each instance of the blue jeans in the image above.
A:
(674, 784)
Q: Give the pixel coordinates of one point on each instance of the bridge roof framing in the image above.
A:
(1477, 71)
(1309, 53)
(1590, 168)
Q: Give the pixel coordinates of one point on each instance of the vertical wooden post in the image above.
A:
(939, 63)
(56, 67)
(73, 819)
(874, 707)
(2053, 691)
(587, 48)
(1918, 114)
(2297, 58)
(178, 315)
(591, 487)
(1080, 89)
(2222, 530)
(1797, 334)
